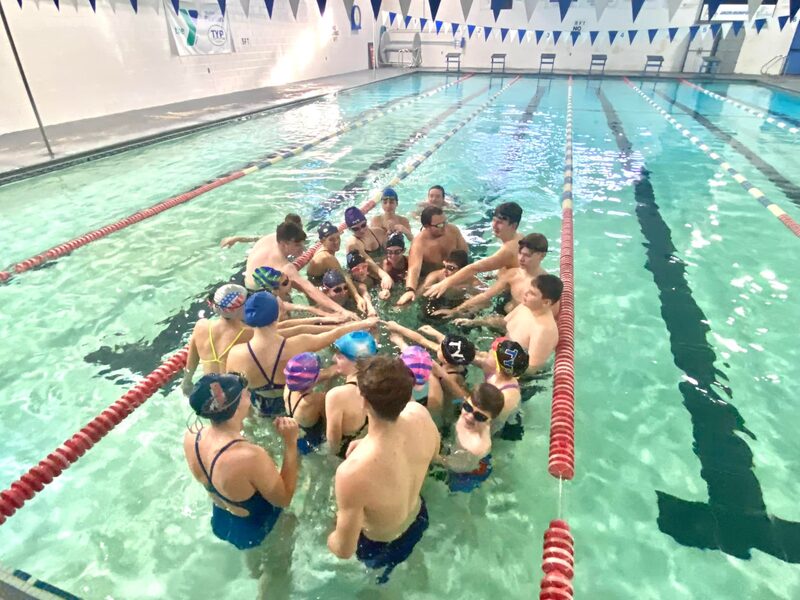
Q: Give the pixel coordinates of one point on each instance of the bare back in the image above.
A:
(265, 253)
(215, 339)
(388, 471)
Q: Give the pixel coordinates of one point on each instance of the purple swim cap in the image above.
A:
(302, 372)
(419, 362)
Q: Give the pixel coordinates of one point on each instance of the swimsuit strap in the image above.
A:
(231, 345)
(208, 474)
(355, 383)
(375, 237)
(214, 357)
(221, 450)
(258, 364)
(509, 386)
(357, 433)
(292, 409)
(277, 360)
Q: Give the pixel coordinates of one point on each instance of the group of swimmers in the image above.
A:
(381, 413)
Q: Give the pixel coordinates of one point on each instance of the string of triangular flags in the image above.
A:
(530, 5)
(521, 35)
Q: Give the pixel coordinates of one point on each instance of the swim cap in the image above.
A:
(511, 358)
(458, 350)
(355, 258)
(396, 240)
(216, 396)
(326, 229)
(302, 372)
(354, 216)
(267, 278)
(229, 300)
(389, 193)
(356, 344)
(419, 363)
(332, 278)
(261, 309)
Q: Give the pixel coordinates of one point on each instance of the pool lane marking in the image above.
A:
(756, 193)
(734, 492)
(408, 168)
(269, 160)
(791, 190)
(753, 111)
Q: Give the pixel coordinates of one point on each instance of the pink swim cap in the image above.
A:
(302, 372)
(417, 359)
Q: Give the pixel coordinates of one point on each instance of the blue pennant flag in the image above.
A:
(672, 32)
(455, 27)
(713, 5)
(487, 31)
(632, 33)
(636, 5)
(538, 33)
(593, 36)
(563, 7)
(737, 27)
(56, 3)
(759, 23)
(320, 3)
(651, 33)
(270, 4)
(93, 4)
(521, 33)
(503, 33)
(715, 28)
(439, 25)
(470, 30)
(376, 8)
(434, 7)
(781, 22)
(422, 22)
(407, 20)
(556, 35)
(574, 35)
(794, 6)
(134, 4)
(612, 35)
(175, 4)
(392, 17)
(693, 32)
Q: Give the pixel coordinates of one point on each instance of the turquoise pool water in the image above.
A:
(686, 312)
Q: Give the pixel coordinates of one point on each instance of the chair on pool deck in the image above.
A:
(453, 59)
(654, 61)
(709, 65)
(547, 60)
(598, 60)
(498, 60)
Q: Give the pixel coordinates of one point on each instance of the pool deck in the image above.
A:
(23, 153)
(19, 585)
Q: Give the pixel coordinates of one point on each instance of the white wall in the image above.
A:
(81, 64)
(621, 55)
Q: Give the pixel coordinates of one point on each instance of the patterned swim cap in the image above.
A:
(419, 362)
(216, 396)
(267, 278)
(229, 301)
(511, 357)
(302, 371)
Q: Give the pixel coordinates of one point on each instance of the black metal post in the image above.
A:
(25, 81)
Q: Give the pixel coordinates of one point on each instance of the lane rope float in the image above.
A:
(32, 482)
(274, 157)
(756, 193)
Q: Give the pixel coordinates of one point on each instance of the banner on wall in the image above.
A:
(199, 28)
(738, 12)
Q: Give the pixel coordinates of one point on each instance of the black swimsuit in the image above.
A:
(268, 398)
(346, 439)
(314, 435)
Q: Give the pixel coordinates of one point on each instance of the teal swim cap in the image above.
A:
(356, 344)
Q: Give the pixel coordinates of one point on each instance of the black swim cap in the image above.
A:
(458, 350)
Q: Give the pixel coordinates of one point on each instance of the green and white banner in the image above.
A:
(199, 28)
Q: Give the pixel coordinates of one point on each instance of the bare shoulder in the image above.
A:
(200, 325)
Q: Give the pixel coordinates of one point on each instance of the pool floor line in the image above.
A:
(756, 193)
(791, 190)
(758, 112)
(770, 111)
(735, 500)
(270, 159)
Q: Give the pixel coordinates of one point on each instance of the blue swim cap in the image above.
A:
(354, 216)
(356, 344)
(388, 193)
(332, 278)
(216, 396)
(261, 309)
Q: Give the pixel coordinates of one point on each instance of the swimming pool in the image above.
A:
(685, 308)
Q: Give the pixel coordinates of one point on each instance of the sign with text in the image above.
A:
(199, 28)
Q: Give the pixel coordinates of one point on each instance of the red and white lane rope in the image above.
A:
(27, 486)
(271, 159)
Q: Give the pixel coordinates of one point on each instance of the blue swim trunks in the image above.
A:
(387, 555)
(466, 482)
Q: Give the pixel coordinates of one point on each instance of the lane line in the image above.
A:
(756, 193)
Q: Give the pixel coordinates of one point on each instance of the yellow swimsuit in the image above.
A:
(218, 359)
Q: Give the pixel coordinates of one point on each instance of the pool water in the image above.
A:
(686, 471)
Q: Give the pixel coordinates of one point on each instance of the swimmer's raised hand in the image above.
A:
(288, 429)
(361, 304)
(370, 322)
(386, 281)
(228, 242)
(444, 312)
(462, 322)
(406, 298)
(391, 325)
(384, 294)
(436, 290)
